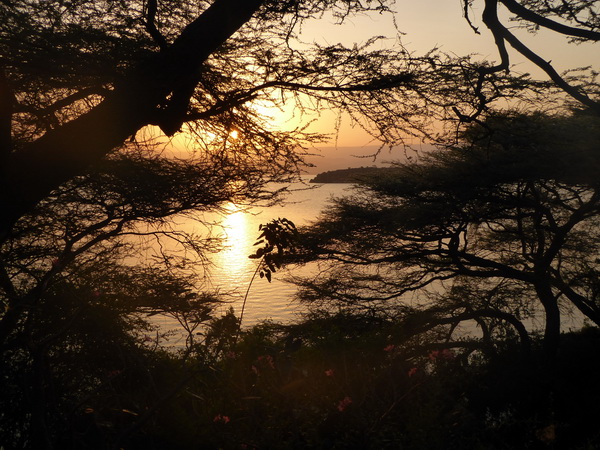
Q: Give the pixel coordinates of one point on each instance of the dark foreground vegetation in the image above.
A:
(332, 381)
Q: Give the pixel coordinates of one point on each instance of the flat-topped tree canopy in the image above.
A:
(508, 220)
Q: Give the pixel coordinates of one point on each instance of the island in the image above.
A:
(350, 175)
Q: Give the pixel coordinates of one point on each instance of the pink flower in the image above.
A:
(231, 355)
(442, 354)
(412, 371)
(97, 293)
(329, 372)
(434, 355)
(448, 354)
(221, 419)
(254, 369)
(389, 348)
(344, 403)
(147, 338)
(267, 360)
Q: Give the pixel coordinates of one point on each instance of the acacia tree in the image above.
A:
(79, 81)
(510, 219)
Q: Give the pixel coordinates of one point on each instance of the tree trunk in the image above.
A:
(552, 324)
(30, 174)
(39, 433)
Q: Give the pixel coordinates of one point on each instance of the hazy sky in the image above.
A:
(439, 23)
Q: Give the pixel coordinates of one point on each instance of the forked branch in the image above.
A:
(502, 35)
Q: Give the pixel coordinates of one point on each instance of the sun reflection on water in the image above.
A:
(233, 262)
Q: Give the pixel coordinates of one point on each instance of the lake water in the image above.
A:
(234, 270)
(231, 270)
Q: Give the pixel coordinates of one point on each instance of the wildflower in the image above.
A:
(441, 354)
(447, 354)
(329, 372)
(231, 355)
(147, 338)
(389, 348)
(412, 371)
(344, 403)
(254, 369)
(434, 355)
(267, 360)
(221, 419)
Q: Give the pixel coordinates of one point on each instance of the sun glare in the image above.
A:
(236, 229)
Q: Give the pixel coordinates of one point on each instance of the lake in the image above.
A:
(234, 270)
(231, 270)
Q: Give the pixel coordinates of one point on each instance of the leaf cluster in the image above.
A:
(279, 238)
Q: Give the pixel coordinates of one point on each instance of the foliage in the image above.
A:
(509, 219)
(279, 237)
(328, 383)
(87, 359)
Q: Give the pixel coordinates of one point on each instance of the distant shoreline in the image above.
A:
(350, 175)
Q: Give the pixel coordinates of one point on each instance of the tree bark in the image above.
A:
(61, 154)
(552, 323)
(6, 105)
(39, 433)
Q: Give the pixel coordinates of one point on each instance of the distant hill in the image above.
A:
(350, 175)
(332, 158)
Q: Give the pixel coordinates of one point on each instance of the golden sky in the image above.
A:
(426, 24)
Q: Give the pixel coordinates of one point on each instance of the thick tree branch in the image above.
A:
(150, 24)
(531, 16)
(490, 18)
(63, 102)
(502, 35)
(68, 150)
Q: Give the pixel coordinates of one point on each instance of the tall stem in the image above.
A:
(246, 296)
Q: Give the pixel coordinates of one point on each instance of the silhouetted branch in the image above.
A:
(150, 24)
(502, 35)
(490, 18)
(466, 5)
(238, 98)
(63, 102)
(544, 22)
